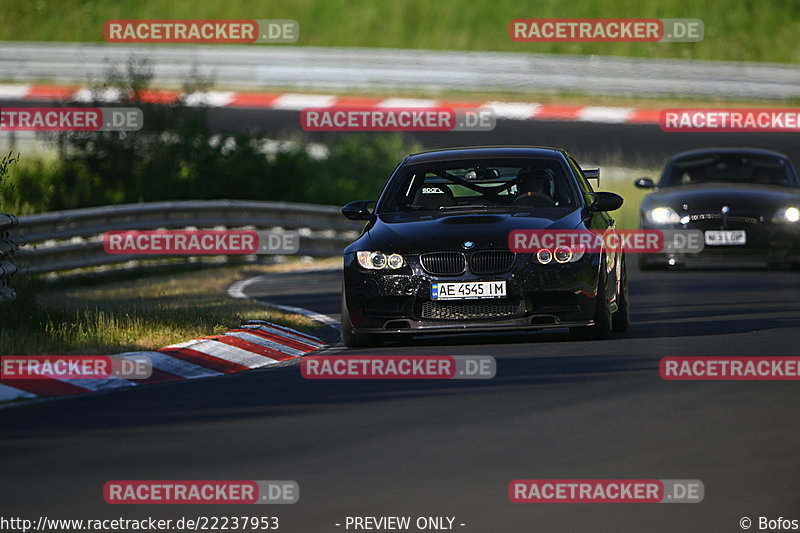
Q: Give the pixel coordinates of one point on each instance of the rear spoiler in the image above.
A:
(592, 174)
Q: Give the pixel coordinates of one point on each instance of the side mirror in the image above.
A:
(606, 201)
(644, 183)
(358, 210)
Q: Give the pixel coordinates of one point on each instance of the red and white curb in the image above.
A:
(253, 345)
(298, 102)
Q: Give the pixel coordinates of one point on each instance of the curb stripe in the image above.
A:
(298, 102)
(253, 100)
(284, 330)
(512, 110)
(277, 340)
(615, 115)
(44, 387)
(406, 102)
(254, 348)
(174, 365)
(8, 392)
(558, 112)
(267, 343)
(208, 365)
(15, 91)
(250, 346)
(230, 353)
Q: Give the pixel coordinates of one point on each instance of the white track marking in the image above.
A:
(298, 102)
(266, 343)
(229, 353)
(176, 366)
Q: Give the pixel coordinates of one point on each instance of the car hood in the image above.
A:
(418, 233)
(750, 198)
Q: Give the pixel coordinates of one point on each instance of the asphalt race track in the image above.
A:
(592, 143)
(556, 409)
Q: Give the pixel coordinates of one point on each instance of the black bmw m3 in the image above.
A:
(434, 253)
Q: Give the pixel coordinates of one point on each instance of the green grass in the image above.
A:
(117, 312)
(737, 30)
(620, 181)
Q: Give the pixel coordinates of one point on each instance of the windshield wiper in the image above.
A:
(474, 206)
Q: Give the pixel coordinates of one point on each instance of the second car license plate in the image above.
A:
(466, 290)
(722, 238)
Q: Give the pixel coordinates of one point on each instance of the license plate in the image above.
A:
(468, 290)
(723, 238)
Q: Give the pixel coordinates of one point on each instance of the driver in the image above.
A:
(533, 183)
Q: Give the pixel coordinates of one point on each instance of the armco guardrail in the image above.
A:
(8, 246)
(71, 239)
(302, 67)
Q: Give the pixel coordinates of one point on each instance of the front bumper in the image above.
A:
(766, 242)
(537, 297)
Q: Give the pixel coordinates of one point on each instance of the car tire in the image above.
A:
(354, 340)
(601, 330)
(621, 319)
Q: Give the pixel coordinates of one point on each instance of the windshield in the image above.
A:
(727, 168)
(528, 184)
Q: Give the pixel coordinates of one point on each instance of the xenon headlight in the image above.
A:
(560, 254)
(379, 260)
(544, 256)
(786, 215)
(662, 215)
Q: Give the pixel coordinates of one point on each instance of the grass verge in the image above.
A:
(747, 30)
(116, 313)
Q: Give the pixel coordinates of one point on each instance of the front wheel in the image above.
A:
(621, 319)
(354, 340)
(601, 330)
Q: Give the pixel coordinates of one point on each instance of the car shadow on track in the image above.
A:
(280, 392)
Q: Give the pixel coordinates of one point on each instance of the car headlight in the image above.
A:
(544, 256)
(380, 260)
(662, 215)
(560, 254)
(787, 215)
